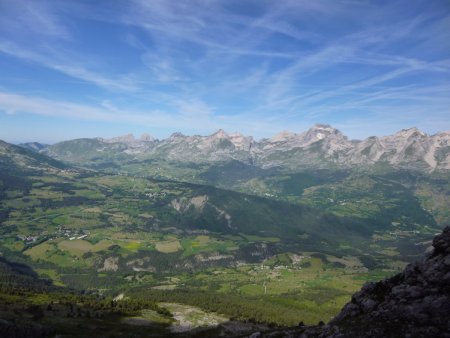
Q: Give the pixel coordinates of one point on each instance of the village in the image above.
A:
(70, 234)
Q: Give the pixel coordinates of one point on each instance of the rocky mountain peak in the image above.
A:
(129, 138)
(146, 138)
(219, 134)
(324, 128)
(240, 141)
(410, 132)
(283, 136)
(321, 131)
(443, 134)
(176, 135)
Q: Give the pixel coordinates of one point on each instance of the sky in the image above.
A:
(81, 68)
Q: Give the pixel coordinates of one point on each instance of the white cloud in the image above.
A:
(35, 18)
(62, 64)
(193, 116)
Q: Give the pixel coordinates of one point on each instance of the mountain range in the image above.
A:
(322, 146)
(278, 231)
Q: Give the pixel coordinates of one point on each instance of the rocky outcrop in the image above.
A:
(414, 303)
(110, 264)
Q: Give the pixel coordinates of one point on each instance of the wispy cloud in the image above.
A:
(37, 18)
(190, 116)
(210, 26)
(62, 64)
(14, 103)
(285, 88)
(162, 69)
(37, 32)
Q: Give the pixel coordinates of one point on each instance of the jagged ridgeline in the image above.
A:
(322, 146)
(221, 226)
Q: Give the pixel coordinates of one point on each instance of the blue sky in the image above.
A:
(72, 69)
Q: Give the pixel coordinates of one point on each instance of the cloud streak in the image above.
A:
(184, 114)
(60, 64)
(37, 18)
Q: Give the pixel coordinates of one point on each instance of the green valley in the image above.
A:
(278, 248)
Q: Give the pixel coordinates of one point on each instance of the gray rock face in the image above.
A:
(129, 138)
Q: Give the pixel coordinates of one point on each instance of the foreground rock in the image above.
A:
(414, 303)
